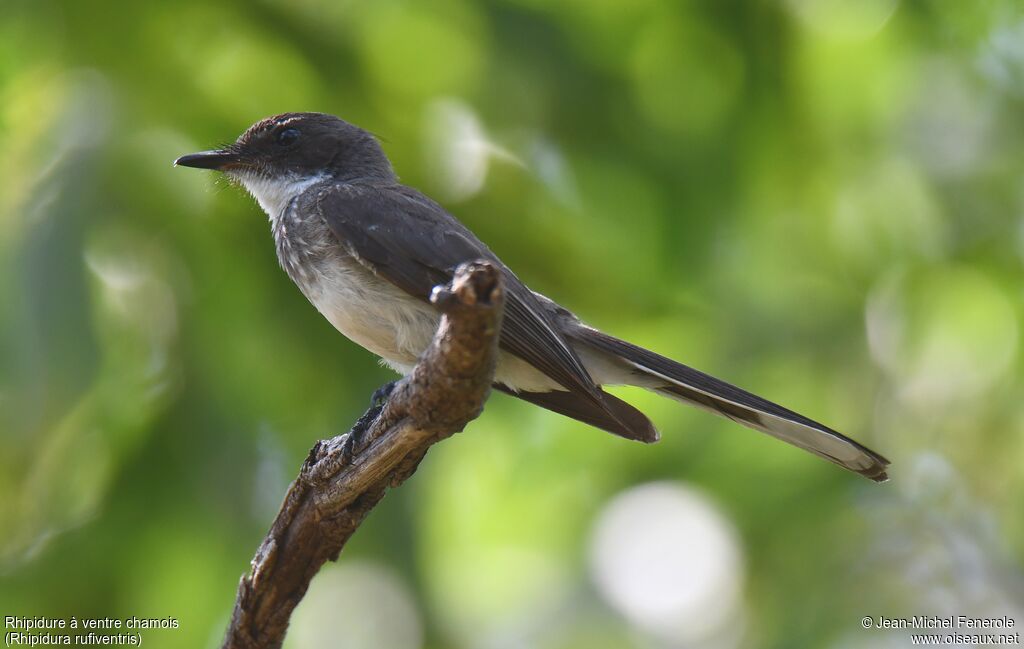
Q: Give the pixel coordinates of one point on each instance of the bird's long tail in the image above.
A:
(666, 376)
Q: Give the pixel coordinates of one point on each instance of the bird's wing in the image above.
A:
(407, 239)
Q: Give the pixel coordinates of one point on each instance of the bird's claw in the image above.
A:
(380, 397)
(354, 440)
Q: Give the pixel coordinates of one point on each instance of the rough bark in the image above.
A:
(345, 477)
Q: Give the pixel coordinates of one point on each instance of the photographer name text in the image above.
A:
(939, 622)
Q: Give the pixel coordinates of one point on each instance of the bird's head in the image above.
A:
(278, 155)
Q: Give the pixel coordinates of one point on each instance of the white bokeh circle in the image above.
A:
(669, 561)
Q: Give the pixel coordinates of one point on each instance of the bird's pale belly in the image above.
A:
(380, 317)
(372, 312)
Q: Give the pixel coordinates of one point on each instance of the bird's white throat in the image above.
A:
(274, 193)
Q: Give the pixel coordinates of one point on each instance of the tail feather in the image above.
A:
(686, 384)
(613, 415)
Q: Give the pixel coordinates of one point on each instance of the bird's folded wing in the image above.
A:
(407, 239)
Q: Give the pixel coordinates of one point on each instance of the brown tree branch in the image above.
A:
(344, 477)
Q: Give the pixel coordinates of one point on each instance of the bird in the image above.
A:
(367, 251)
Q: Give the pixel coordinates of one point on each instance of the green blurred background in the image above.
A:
(821, 201)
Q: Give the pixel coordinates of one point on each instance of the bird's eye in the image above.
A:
(288, 136)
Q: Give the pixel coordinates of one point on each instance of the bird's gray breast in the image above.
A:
(367, 309)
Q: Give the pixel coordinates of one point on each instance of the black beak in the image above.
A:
(218, 160)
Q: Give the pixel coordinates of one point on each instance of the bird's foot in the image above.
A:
(355, 439)
(381, 395)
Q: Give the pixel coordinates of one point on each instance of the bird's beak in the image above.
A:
(218, 159)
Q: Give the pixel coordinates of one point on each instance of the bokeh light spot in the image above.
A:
(668, 559)
(366, 604)
(459, 149)
(847, 19)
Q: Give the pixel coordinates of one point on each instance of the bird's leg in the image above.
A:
(354, 439)
(381, 395)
